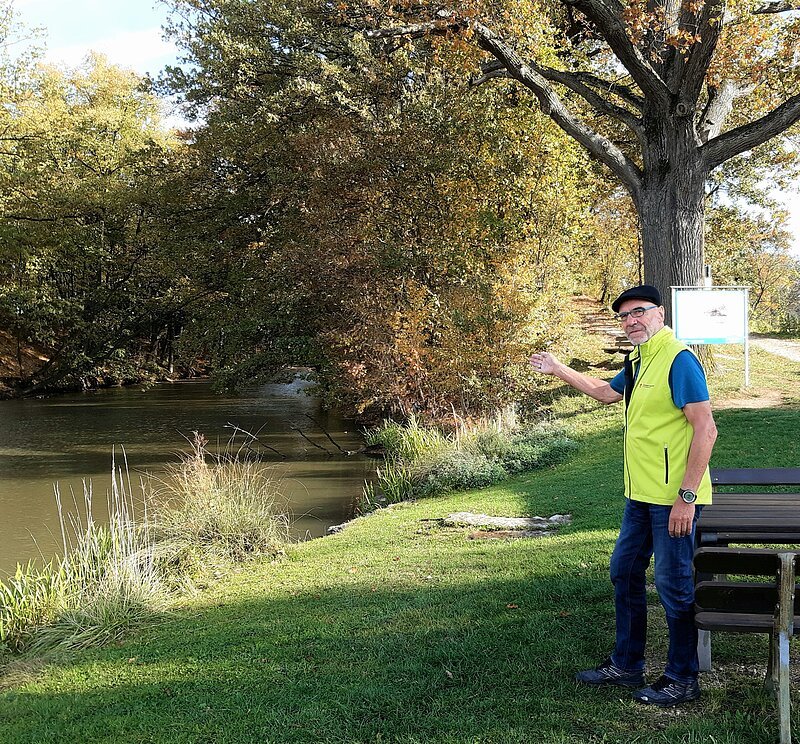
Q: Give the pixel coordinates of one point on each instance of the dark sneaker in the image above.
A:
(608, 674)
(667, 692)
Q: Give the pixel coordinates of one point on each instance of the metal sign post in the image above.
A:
(713, 315)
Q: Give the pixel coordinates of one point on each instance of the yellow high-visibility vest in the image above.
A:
(657, 433)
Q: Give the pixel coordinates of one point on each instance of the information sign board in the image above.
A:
(713, 315)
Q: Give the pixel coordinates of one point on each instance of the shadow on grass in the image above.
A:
(469, 662)
(399, 630)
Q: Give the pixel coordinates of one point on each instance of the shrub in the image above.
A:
(424, 461)
(219, 505)
(460, 471)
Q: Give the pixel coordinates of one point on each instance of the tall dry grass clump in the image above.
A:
(117, 575)
(219, 505)
(105, 583)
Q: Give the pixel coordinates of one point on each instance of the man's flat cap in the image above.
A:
(644, 292)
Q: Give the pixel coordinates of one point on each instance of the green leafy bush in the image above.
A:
(459, 471)
(423, 461)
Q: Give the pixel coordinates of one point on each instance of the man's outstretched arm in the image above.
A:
(546, 363)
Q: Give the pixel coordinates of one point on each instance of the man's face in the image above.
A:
(639, 330)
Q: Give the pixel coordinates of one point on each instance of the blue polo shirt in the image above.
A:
(687, 380)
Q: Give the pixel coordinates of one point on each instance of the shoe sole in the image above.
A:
(670, 704)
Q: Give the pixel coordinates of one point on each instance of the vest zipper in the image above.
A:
(666, 465)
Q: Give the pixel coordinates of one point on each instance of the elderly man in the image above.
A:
(668, 437)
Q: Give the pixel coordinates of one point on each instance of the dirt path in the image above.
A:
(781, 346)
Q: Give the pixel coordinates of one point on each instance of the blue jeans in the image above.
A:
(644, 532)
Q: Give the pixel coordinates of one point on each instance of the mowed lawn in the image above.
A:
(401, 630)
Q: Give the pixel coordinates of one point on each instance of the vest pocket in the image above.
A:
(666, 465)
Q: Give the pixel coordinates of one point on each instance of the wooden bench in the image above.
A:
(769, 605)
(751, 517)
(754, 517)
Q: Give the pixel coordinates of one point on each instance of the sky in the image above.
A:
(129, 33)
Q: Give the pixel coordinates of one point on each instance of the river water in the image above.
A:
(69, 439)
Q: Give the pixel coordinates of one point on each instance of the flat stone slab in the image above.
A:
(522, 524)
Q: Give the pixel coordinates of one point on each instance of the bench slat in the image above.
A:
(738, 596)
(736, 501)
(747, 561)
(738, 622)
(726, 537)
(755, 476)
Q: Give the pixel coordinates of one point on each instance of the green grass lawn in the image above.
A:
(400, 630)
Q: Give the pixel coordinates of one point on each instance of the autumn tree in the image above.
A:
(751, 249)
(661, 92)
(86, 266)
(411, 277)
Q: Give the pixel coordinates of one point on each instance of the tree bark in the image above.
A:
(671, 203)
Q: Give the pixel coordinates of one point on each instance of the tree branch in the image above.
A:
(580, 79)
(603, 149)
(709, 28)
(594, 99)
(612, 87)
(415, 30)
(748, 136)
(499, 72)
(607, 16)
(776, 6)
(719, 107)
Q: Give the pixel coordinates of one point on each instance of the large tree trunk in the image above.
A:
(670, 206)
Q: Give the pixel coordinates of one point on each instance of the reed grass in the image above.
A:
(120, 574)
(424, 461)
(28, 600)
(222, 505)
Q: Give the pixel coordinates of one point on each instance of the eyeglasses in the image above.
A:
(637, 312)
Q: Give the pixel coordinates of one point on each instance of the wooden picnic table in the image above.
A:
(749, 518)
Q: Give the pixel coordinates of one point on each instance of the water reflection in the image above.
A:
(70, 438)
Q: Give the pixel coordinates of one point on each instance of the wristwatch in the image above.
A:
(688, 496)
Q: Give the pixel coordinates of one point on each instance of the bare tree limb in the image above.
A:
(573, 81)
(310, 441)
(594, 99)
(719, 107)
(612, 88)
(709, 29)
(607, 16)
(501, 72)
(325, 432)
(552, 105)
(414, 30)
(746, 137)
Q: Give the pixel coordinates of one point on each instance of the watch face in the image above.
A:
(689, 496)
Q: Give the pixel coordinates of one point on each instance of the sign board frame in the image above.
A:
(713, 315)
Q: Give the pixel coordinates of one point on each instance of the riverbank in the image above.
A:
(69, 439)
(400, 629)
(19, 361)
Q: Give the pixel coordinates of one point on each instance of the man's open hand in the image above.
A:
(681, 518)
(544, 362)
